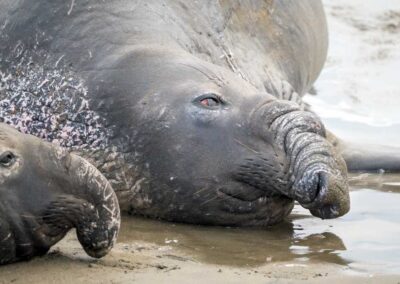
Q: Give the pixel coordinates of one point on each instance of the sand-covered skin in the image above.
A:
(358, 93)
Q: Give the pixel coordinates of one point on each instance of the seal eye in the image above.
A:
(210, 101)
(7, 159)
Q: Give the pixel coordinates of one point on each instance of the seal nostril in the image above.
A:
(312, 188)
(328, 211)
(98, 248)
(323, 183)
(325, 204)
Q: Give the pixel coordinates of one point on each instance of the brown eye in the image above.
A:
(7, 159)
(210, 101)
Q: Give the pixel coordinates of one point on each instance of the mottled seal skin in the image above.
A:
(192, 110)
(45, 192)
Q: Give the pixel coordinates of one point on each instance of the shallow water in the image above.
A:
(365, 240)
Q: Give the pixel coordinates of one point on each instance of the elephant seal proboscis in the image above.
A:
(192, 110)
(46, 191)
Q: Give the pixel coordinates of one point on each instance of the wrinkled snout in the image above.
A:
(97, 230)
(87, 202)
(316, 174)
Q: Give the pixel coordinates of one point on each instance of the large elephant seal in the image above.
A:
(190, 109)
(45, 192)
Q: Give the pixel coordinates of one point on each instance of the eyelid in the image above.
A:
(217, 97)
(6, 153)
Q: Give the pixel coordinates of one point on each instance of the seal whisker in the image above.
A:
(201, 190)
(246, 146)
(209, 200)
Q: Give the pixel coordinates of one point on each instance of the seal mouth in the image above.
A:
(240, 205)
(248, 207)
(242, 191)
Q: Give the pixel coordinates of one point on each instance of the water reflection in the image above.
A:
(237, 246)
(385, 182)
(366, 238)
(370, 231)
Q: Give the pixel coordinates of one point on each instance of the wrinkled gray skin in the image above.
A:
(45, 192)
(191, 109)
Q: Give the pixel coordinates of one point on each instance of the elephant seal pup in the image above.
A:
(190, 109)
(45, 192)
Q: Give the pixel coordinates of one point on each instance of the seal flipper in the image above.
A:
(367, 158)
(371, 158)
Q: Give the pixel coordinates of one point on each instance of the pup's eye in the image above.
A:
(210, 101)
(7, 159)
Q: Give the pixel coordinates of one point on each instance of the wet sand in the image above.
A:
(358, 97)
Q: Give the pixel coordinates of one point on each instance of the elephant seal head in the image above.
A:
(212, 149)
(46, 191)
